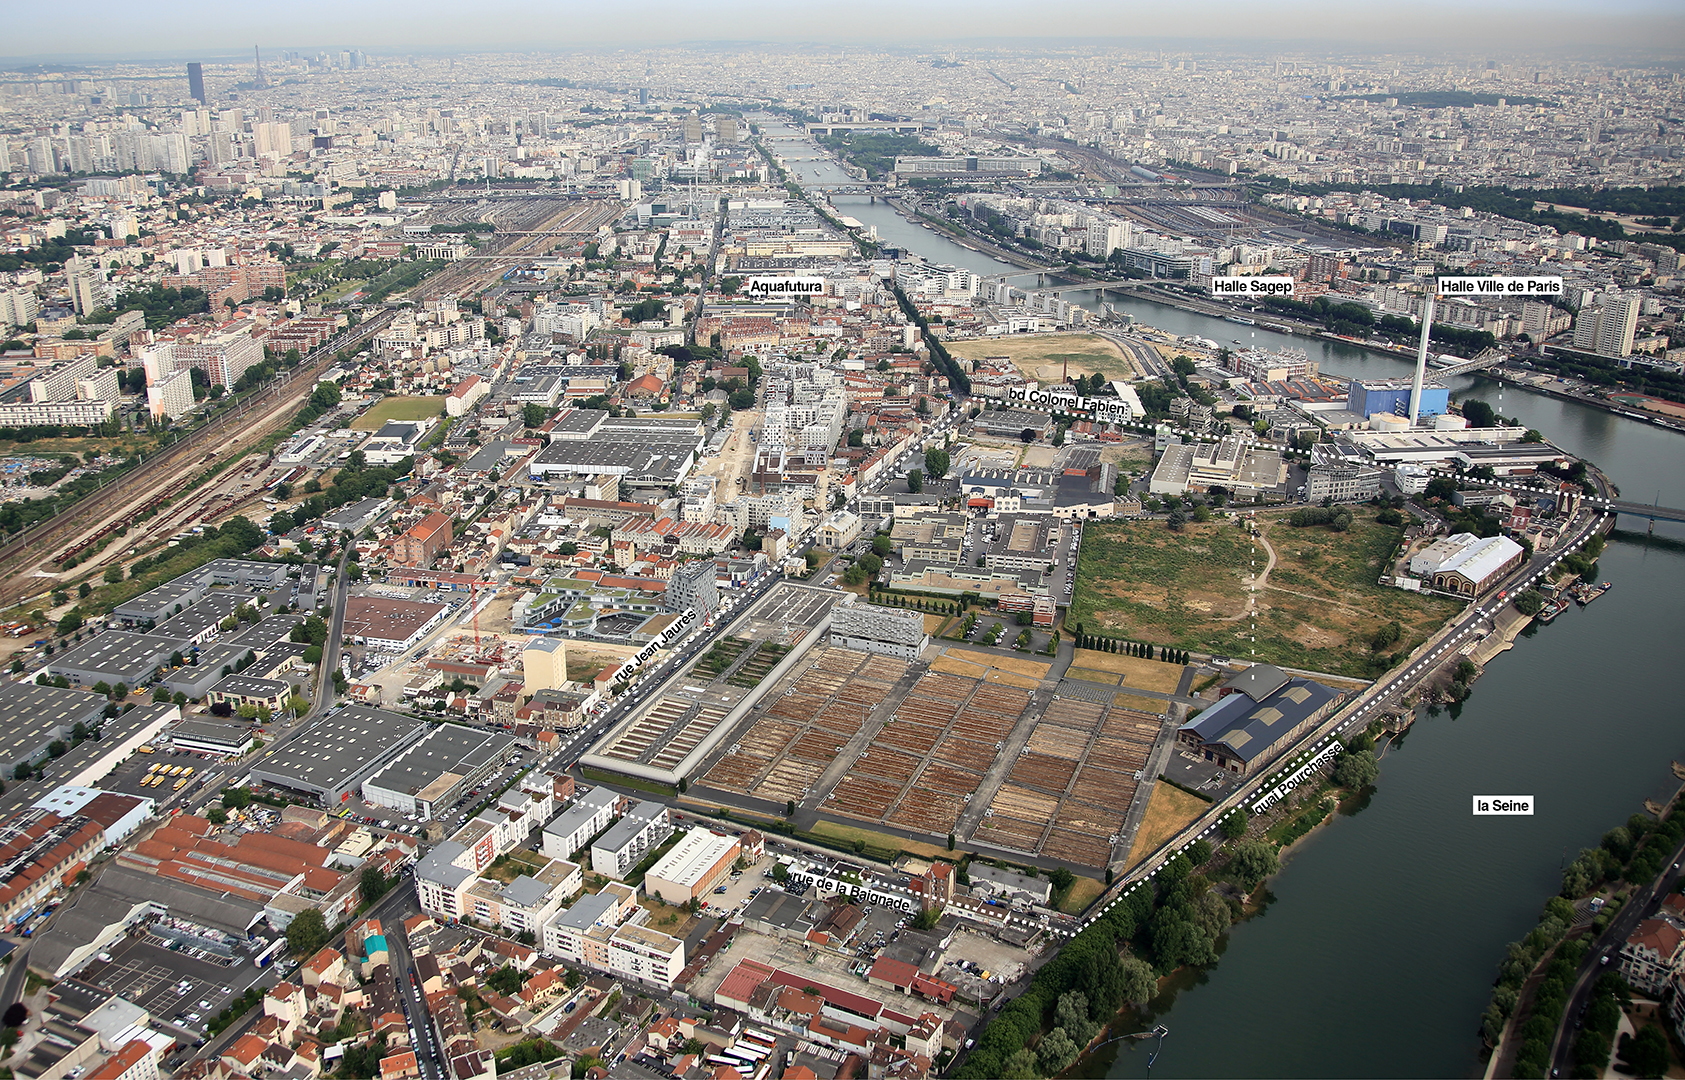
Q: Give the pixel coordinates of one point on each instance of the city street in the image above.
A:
(1604, 955)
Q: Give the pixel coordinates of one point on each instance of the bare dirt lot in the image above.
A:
(1044, 357)
(734, 459)
(1132, 458)
(587, 658)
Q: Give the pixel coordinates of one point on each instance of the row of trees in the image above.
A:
(1164, 653)
(1646, 1055)
(957, 378)
(1599, 371)
(922, 603)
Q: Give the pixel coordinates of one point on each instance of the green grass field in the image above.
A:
(399, 408)
(1320, 607)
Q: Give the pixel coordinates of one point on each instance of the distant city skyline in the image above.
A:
(180, 29)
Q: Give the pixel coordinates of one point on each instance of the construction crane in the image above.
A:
(474, 607)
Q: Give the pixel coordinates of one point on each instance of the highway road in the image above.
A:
(1145, 355)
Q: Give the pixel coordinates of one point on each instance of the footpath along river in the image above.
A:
(1376, 952)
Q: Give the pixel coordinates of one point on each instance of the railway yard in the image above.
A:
(28, 564)
(528, 227)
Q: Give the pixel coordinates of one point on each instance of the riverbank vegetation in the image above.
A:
(1629, 856)
(1354, 320)
(1609, 375)
(875, 153)
(1115, 961)
(1170, 921)
(1321, 608)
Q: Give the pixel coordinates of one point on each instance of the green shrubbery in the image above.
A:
(1115, 961)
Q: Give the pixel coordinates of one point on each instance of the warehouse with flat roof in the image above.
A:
(643, 453)
(32, 716)
(156, 605)
(697, 863)
(437, 769)
(209, 737)
(331, 759)
(116, 656)
(390, 624)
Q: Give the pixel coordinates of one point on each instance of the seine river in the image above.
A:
(1377, 951)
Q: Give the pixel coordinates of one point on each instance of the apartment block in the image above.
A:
(642, 830)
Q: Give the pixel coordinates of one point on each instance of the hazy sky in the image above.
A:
(178, 28)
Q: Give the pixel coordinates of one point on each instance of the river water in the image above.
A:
(1377, 950)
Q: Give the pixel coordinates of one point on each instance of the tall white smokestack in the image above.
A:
(1421, 361)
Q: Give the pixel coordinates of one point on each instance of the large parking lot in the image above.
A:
(132, 777)
(178, 989)
(985, 630)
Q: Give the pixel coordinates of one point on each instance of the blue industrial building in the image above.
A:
(1366, 397)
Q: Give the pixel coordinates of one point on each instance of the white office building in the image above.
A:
(868, 628)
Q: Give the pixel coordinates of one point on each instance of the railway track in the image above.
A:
(28, 563)
(523, 241)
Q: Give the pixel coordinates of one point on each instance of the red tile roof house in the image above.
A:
(1651, 955)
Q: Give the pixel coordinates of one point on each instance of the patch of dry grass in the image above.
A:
(1046, 356)
(1084, 891)
(1137, 673)
(1318, 610)
(1169, 811)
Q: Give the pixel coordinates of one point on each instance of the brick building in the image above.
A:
(422, 542)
